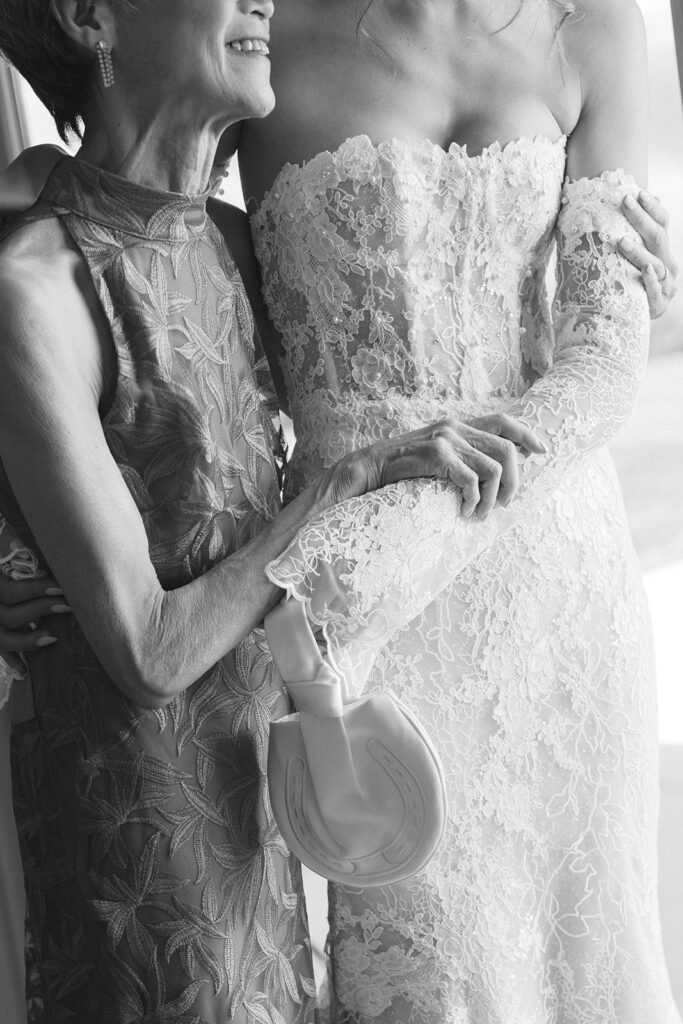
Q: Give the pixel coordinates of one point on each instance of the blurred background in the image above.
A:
(649, 457)
(648, 451)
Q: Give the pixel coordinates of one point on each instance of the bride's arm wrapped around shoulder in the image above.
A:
(369, 566)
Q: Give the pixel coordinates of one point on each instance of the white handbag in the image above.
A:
(357, 789)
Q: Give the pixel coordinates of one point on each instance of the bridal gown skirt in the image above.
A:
(533, 674)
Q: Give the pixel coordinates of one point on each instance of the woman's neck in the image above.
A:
(167, 149)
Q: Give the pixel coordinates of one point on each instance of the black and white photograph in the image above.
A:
(341, 512)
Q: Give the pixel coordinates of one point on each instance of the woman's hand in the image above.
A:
(654, 259)
(480, 458)
(23, 603)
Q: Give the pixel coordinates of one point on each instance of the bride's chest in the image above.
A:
(404, 70)
(406, 201)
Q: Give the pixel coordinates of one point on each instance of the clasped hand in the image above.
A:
(479, 457)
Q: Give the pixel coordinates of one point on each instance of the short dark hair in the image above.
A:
(32, 40)
(58, 71)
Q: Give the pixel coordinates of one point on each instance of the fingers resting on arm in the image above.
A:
(23, 604)
(654, 258)
(480, 458)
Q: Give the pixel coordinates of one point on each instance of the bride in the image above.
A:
(425, 165)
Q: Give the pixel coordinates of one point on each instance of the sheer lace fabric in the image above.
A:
(409, 283)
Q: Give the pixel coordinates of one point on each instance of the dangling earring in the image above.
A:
(105, 63)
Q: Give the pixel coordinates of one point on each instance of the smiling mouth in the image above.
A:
(250, 46)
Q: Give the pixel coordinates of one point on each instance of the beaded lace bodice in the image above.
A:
(408, 283)
(401, 277)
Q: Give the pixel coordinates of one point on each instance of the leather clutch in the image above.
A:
(356, 787)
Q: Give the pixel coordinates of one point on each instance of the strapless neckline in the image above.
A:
(493, 151)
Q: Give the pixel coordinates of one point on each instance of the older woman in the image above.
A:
(138, 458)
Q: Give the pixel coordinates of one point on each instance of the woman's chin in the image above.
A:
(260, 104)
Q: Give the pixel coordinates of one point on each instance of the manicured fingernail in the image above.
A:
(645, 196)
(629, 202)
(627, 244)
(59, 609)
(33, 625)
(46, 641)
(54, 592)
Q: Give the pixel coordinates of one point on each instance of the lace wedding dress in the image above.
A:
(409, 283)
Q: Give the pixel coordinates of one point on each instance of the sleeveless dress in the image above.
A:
(409, 283)
(159, 888)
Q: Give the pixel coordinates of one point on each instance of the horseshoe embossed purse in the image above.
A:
(356, 787)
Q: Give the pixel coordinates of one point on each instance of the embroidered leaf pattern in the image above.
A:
(149, 846)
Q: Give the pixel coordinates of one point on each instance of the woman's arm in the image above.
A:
(151, 642)
(600, 314)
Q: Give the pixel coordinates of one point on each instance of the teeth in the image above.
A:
(250, 45)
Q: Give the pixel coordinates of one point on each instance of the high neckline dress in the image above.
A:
(159, 888)
(409, 283)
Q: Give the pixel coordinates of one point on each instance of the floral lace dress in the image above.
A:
(409, 283)
(159, 889)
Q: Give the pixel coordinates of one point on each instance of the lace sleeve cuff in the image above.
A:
(593, 206)
(369, 565)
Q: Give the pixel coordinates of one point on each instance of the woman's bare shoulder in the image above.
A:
(36, 260)
(51, 319)
(605, 41)
(600, 31)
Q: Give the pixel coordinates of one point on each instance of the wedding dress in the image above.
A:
(409, 283)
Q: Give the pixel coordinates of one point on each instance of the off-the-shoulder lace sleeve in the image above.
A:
(367, 566)
(601, 325)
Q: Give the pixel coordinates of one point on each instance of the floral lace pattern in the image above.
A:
(409, 283)
(18, 563)
(159, 888)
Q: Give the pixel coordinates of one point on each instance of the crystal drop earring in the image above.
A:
(105, 64)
